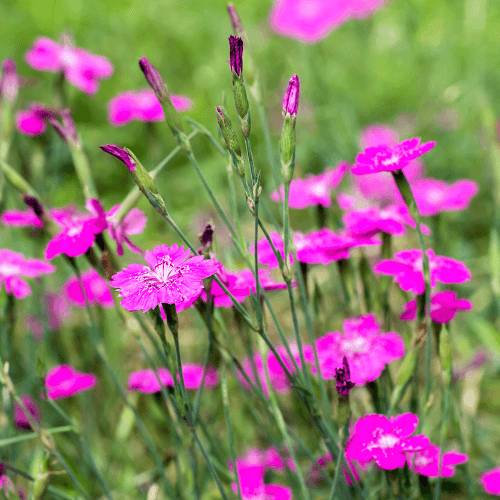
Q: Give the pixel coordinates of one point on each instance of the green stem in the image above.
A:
(33, 435)
(338, 468)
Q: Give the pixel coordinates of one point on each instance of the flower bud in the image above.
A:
(229, 135)
(235, 21)
(65, 128)
(343, 379)
(239, 91)
(9, 82)
(291, 97)
(154, 79)
(236, 54)
(287, 141)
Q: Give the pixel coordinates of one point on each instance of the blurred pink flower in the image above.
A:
(35, 325)
(20, 418)
(9, 82)
(96, 290)
(30, 122)
(13, 265)
(390, 158)
(444, 307)
(57, 310)
(367, 349)
(426, 462)
(313, 189)
(80, 67)
(142, 105)
(385, 440)
(133, 223)
(170, 279)
(270, 458)
(491, 481)
(20, 218)
(434, 196)
(64, 381)
(406, 267)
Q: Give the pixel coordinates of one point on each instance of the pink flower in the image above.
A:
(434, 196)
(78, 231)
(444, 307)
(491, 481)
(20, 418)
(314, 189)
(96, 290)
(20, 218)
(145, 381)
(5, 481)
(270, 458)
(426, 462)
(406, 267)
(13, 265)
(366, 349)
(9, 82)
(29, 122)
(57, 310)
(63, 381)
(142, 105)
(265, 253)
(169, 279)
(81, 68)
(385, 440)
(390, 158)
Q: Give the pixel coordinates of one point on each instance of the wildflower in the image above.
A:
(31, 121)
(96, 290)
(491, 481)
(444, 307)
(270, 458)
(80, 67)
(9, 82)
(142, 105)
(366, 349)
(64, 381)
(427, 461)
(20, 418)
(13, 265)
(385, 440)
(20, 218)
(291, 97)
(406, 267)
(171, 278)
(434, 196)
(390, 158)
(314, 189)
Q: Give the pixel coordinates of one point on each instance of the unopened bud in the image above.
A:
(154, 79)
(291, 97)
(65, 128)
(227, 130)
(235, 21)
(287, 140)
(240, 94)
(236, 54)
(9, 82)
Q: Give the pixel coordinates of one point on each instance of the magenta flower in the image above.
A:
(366, 349)
(80, 68)
(270, 458)
(434, 196)
(291, 97)
(313, 189)
(20, 418)
(406, 267)
(265, 253)
(491, 481)
(142, 105)
(172, 277)
(426, 462)
(20, 218)
(78, 231)
(385, 440)
(64, 381)
(390, 158)
(444, 307)
(9, 82)
(236, 54)
(29, 122)
(96, 290)
(13, 265)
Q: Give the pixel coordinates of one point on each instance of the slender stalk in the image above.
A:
(338, 468)
(33, 435)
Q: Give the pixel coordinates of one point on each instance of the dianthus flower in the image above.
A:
(434, 196)
(406, 267)
(64, 381)
(142, 105)
(171, 278)
(491, 481)
(13, 265)
(20, 418)
(385, 440)
(96, 290)
(270, 458)
(444, 307)
(366, 349)
(20, 218)
(426, 462)
(314, 189)
(30, 122)
(145, 381)
(390, 158)
(80, 67)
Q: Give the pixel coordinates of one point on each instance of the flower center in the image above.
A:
(434, 196)
(7, 269)
(422, 460)
(68, 57)
(308, 9)
(356, 345)
(388, 441)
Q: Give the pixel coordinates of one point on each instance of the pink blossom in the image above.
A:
(9, 82)
(20, 418)
(491, 481)
(20, 218)
(29, 122)
(80, 67)
(444, 307)
(5, 481)
(57, 310)
(407, 267)
(96, 290)
(313, 189)
(265, 253)
(390, 158)
(145, 381)
(13, 265)
(63, 381)
(366, 349)
(427, 461)
(169, 279)
(434, 196)
(270, 458)
(385, 440)
(142, 105)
